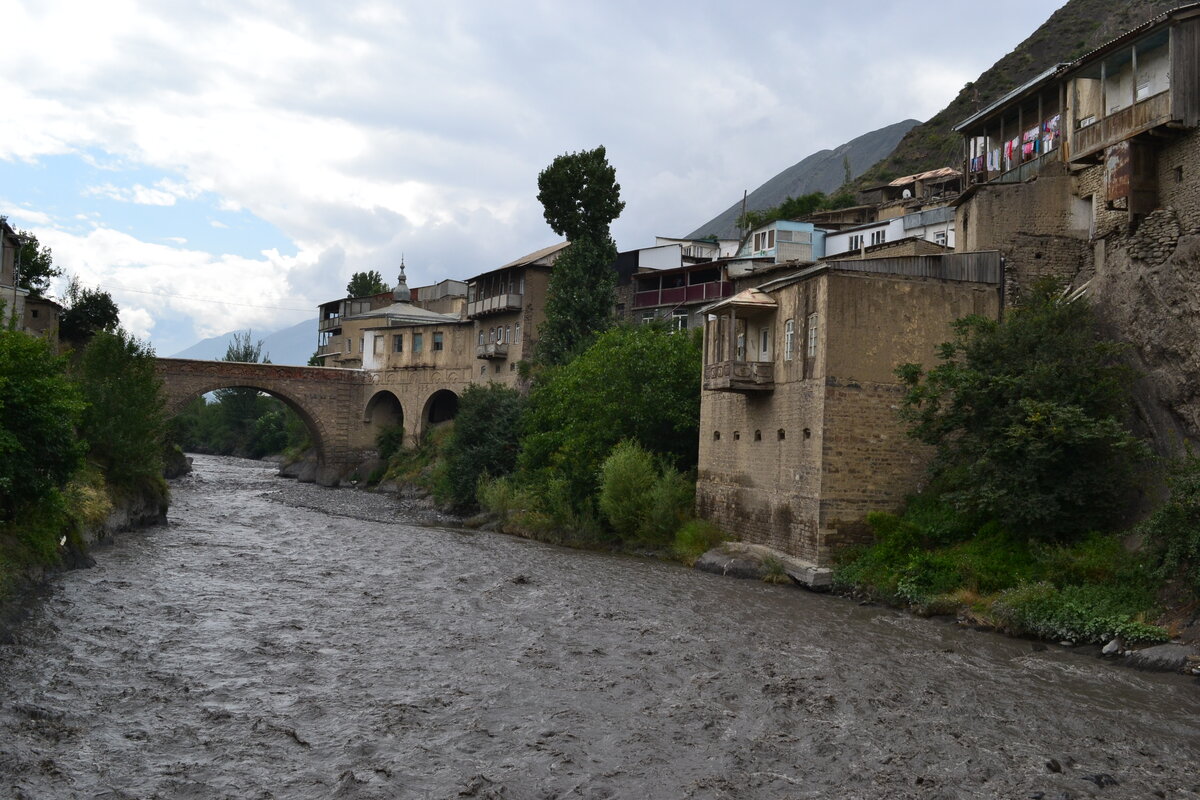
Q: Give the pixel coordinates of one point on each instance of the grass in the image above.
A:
(935, 561)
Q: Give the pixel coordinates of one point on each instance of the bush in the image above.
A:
(637, 383)
(695, 538)
(671, 502)
(627, 479)
(1027, 416)
(39, 409)
(1089, 613)
(124, 422)
(389, 441)
(1173, 530)
(484, 441)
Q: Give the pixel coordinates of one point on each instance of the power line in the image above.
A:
(201, 299)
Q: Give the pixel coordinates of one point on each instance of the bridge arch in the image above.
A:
(440, 407)
(384, 410)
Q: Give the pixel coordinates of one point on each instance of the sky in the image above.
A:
(228, 164)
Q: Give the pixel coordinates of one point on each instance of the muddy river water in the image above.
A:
(259, 647)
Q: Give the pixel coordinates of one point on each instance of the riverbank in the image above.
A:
(36, 550)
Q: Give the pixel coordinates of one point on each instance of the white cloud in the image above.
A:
(386, 128)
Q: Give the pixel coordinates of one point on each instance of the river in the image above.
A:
(258, 647)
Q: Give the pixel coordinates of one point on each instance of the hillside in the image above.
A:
(1075, 29)
(823, 171)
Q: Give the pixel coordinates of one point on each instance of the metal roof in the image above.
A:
(536, 255)
(1027, 86)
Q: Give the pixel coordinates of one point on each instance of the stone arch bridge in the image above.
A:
(344, 409)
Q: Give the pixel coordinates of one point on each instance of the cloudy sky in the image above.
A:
(229, 163)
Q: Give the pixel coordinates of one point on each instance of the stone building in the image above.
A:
(799, 435)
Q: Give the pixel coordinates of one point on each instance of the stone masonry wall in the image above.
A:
(753, 483)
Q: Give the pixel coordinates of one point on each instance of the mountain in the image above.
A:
(823, 171)
(294, 345)
(1077, 28)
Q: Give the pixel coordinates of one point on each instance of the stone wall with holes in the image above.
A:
(760, 465)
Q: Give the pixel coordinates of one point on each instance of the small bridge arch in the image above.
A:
(323, 397)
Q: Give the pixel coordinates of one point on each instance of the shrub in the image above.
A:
(1173, 530)
(627, 480)
(1027, 416)
(484, 441)
(39, 409)
(124, 422)
(695, 538)
(1088, 613)
(671, 502)
(637, 383)
(389, 441)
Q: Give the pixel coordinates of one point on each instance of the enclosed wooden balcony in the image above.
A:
(492, 350)
(495, 304)
(1121, 125)
(740, 376)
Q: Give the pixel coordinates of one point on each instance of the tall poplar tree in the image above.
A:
(580, 197)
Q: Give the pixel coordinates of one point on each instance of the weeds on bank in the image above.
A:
(937, 561)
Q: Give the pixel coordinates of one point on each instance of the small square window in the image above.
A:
(437, 341)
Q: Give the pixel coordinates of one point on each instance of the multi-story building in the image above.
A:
(799, 436)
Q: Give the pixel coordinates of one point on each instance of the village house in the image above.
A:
(35, 315)
(1090, 174)
(799, 435)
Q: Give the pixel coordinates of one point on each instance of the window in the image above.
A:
(349, 345)
(789, 339)
(507, 333)
(812, 335)
(377, 345)
(741, 347)
(33, 312)
(879, 237)
(483, 370)
(398, 343)
(770, 238)
(856, 241)
(481, 337)
(437, 341)
(491, 335)
(517, 333)
(757, 242)
(764, 342)
(418, 342)
(940, 238)
(648, 317)
(679, 320)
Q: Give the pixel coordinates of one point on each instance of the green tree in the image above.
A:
(1027, 417)
(485, 440)
(35, 265)
(639, 383)
(39, 410)
(240, 408)
(86, 311)
(580, 198)
(124, 423)
(365, 284)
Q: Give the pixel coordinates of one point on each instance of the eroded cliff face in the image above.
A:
(1146, 288)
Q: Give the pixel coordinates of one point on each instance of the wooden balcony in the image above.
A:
(1121, 125)
(740, 376)
(329, 323)
(492, 350)
(495, 304)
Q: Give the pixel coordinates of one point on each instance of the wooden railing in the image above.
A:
(740, 376)
(1121, 125)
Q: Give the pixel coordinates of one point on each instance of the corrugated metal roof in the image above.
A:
(1133, 33)
(941, 172)
(405, 314)
(747, 298)
(534, 256)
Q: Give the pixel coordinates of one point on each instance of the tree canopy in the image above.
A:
(580, 194)
(794, 207)
(1028, 417)
(580, 197)
(35, 265)
(640, 383)
(86, 312)
(365, 284)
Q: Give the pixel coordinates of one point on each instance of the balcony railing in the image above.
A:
(1121, 125)
(712, 290)
(493, 305)
(740, 376)
(329, 323)
(492, 350)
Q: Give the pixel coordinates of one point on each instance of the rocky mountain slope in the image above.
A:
(823, 171)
